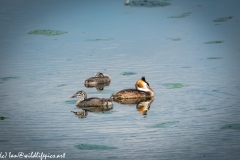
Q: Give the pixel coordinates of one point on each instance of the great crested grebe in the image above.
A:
(91, 102)
(142, 90)
(99, 78)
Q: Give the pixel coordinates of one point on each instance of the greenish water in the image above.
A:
(174, 85)
(223, 19)
(128, 73)
(213, 42)
(47, 32)
(93, 147)
(164, 124)
(188, 52)
(231, 126)
(183, 15)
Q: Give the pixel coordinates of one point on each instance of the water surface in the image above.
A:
(188, 51)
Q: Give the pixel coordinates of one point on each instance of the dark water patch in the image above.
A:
(222, 19)
(163, 124)
(106, 112)
(47, 32)
(146, 3)
(231, 126)
(128, 12)
(214, 58)
(61, 85)
(94, 147)
(3, 95)
(201, 109)
(71, 101)
(112, 157)
(3, 118)
(174, 85)
(128, 73)
(213, 42)
(175, 39)
(2, 141)
(151, 131)
(183, 15)
(100, 39)
(4, 79)
(186, 67)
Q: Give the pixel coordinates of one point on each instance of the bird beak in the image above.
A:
(73, 96)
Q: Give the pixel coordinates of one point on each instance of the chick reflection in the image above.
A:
(98, 87)
(85, 110)
(99, 81)
(142, 104)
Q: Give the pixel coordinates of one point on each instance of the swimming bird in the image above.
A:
(142, 90)
(85, 102)
(127, 2)
(99, 78)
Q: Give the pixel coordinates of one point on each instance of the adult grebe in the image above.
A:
(91, 102)
(142, 90)
(99, 78)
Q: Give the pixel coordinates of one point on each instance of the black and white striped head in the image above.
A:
(99, 74)
(80, 94)
(143, 85)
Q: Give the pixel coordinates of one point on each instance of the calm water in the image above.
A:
(188, 51)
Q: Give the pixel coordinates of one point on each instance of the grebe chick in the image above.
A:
(84, 102)
(142, 90)
(127, 2)
(99, 78)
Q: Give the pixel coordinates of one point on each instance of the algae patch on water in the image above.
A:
(147, 3)
(183, 15)
(47, 32)
(231, 126)
(2, 118)
(61, 85)
(163, 124)
(201, 109)
(175, 39)
(173, 85)
(100, 39)
(214, 58)
(71, 101)
(128, 73)
(213, 42)
(93, 147)
(222, 19)
(4, 141)
(4, 79)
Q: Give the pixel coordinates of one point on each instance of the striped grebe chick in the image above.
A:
(91, 102)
